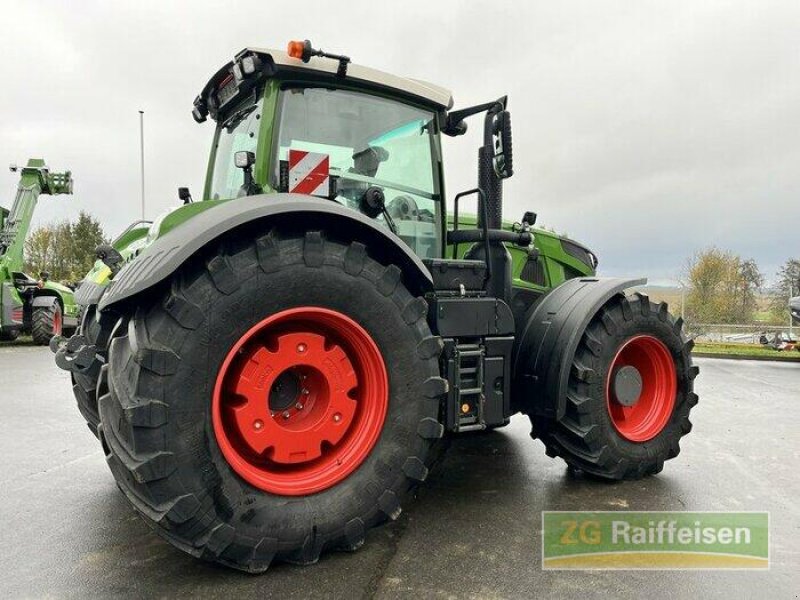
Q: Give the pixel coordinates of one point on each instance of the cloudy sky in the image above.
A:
(647, 130)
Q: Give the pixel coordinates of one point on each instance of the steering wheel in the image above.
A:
(403, 208)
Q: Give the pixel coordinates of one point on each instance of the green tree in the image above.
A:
(61, 262)
(722, 287)
(40, 248)
(787, 286)
(85, 235)
(749, 281)
(65, 250)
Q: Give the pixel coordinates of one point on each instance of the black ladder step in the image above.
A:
(470, 391)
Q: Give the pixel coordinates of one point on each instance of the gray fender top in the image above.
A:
(167, 253)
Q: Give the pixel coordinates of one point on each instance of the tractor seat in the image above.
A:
(449, 274)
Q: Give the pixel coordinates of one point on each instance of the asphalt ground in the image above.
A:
(473, 531)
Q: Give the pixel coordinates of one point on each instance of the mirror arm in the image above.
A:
(454, 118)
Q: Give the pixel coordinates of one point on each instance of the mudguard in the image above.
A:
(166, 254)
(44, 300)
(551, 335)
(88, 293)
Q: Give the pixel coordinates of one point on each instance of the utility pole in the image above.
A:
(141, 153)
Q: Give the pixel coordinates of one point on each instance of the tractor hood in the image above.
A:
(58, 287)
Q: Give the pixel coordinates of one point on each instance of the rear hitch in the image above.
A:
(75, 354)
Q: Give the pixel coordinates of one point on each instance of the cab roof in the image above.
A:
(277, 63)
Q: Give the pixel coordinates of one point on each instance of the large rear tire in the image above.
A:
(630, 391)
(202, 373)
(89, 384)
(46, 322)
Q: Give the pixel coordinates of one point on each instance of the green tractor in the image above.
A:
(272, 369)
(39, 307)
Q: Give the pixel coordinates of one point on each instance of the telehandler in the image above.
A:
(39, 307)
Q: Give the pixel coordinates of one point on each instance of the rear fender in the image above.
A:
(166, 254)
(45, 300)
(552, 332)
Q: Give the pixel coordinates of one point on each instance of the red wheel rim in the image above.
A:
(300, 401)
(57, 322)
(645, 419)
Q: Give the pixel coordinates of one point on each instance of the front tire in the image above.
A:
(631, 388)
(182, 416)
(9, 335)
(46, 322)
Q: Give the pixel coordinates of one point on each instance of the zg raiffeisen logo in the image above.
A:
(655, 540)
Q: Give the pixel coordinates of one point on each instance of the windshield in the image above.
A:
(239, 131)
(369, 141)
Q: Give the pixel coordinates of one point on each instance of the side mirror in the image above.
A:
(503, 151)
(454, 128)
(184, 195)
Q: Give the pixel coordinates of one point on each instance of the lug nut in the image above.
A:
(286, 414)
(305, 392)
(301, 348)
(258, 424)
(337, 417)
(299, 406)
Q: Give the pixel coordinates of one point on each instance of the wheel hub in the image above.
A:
(286, 433)
(285, 391)
(300, 401)
(627, 385)
(641, 388)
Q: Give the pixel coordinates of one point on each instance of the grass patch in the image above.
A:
(23, 340)
(746, 350)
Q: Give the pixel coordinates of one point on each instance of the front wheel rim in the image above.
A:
(652, 409)
(300, 401)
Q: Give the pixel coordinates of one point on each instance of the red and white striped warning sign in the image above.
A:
(309, 173)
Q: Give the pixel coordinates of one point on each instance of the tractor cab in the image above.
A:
(309, 122)
(364, 139)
